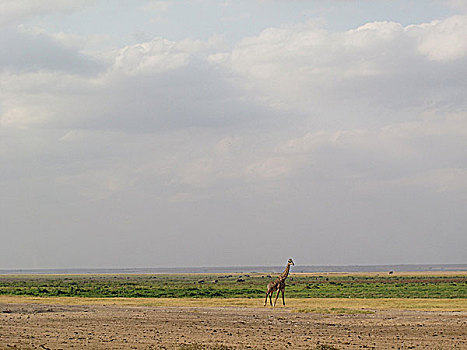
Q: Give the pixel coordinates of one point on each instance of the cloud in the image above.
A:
(299, 96)
(157, 85)
(353, 76)
(418, 153)
(378, 73)
(155, 56)
(442, 40)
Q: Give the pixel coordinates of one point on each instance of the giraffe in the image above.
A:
(278, 285)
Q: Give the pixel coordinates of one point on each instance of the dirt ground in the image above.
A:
(36, 326)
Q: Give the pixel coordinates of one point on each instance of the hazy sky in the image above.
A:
(211, 133)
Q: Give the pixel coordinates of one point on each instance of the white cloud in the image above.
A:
(442, 40)
(31, 99)
(378, 73)
(422, 152)
(355, 75)
(163, 85)
(151, 57)
(151, 85)
(159, 55)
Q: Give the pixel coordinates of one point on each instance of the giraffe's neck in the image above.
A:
(284, 274)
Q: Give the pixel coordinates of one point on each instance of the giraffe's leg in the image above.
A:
(270, 298)
(266, 300)
(283, 300)
(277, 296)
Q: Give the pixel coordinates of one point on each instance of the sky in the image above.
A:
(177, 133)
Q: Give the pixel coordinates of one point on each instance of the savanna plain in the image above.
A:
(196, 311)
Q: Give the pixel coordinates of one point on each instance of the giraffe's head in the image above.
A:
(290, 262)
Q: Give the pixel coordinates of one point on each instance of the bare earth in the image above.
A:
(39, 326)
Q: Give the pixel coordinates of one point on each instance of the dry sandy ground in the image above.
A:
(38, 326)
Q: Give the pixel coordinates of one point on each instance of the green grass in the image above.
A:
(203, 286)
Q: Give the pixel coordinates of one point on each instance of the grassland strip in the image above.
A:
(236, 286)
